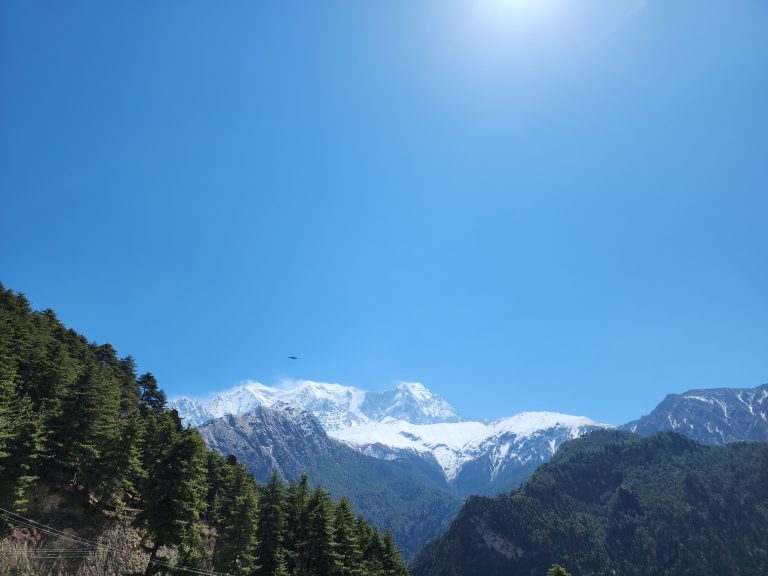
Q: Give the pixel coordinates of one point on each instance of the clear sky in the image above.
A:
(523, 204)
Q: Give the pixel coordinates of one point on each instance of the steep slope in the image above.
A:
(715, 416)
(614, 503)
(98, 477)
(404, 494)
(412, 423)
(475, 458)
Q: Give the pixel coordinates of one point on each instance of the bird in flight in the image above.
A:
(292, 358)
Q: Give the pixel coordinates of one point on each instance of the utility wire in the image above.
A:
(29, 523)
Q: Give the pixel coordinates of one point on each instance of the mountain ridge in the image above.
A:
(293, 442)
(411, 421)
(335, 405)
(615, 503)
(714, 416)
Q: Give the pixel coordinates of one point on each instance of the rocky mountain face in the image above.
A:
(334, 405)
(406, 495)
(714, 416)
(407, 424)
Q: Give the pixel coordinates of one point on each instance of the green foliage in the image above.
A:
(348, 554)
(322, 556)
(174, 494)
(557, 570)
(613, 503)
(74, 417)
(238, 541)
(271, 526)
(20, 450)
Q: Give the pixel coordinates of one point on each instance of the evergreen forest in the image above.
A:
(80, 428)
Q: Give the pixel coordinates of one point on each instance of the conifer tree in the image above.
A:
(7, 379)
(237, 544)
(174, 495)
(371, 546)
(88, 422)
(392, 562)
(557, 570)
(321, 550)
(151, 396)
(271, 526)
(20, 451)
(348, 554)
(219, 476)
(297, 523)
(119, 468)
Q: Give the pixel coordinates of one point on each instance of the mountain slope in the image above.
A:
(614, 503)
(411, 422)
(714, 416)
(474, 457)
(404, 494)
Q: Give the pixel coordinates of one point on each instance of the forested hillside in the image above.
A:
(404, 494)
(88, 446)
(614, 503)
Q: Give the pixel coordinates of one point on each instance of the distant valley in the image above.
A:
(407, 447)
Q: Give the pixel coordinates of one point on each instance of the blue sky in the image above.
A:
(523, 204)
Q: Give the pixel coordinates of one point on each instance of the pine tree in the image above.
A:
(8, 375)
(297, 524)
(321, 550)
(348, 554)
(271, 527)
(371, 546)
(119, 468)
(88, 423)
(237, 543)
(151, 396)
(392, 562)
(219, 477)
(174, 494)
(557, 570)
(21, 448)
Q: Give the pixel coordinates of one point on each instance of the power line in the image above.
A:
(92, 546)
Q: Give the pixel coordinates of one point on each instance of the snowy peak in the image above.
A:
(411, 402)
(335, 405)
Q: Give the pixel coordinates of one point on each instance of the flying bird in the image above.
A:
(292, 358)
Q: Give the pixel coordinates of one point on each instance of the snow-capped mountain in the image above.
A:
(411, 422)
(335, 406)
(292, 441)
(411, 402)
(473, 456)
(713, 416)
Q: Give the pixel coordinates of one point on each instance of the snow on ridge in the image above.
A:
(527, 423)
(335, 405)
(699, 398)
(453, 444)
